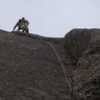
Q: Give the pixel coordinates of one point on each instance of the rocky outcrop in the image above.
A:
(30, 68)
(79, 40)
(83, 46)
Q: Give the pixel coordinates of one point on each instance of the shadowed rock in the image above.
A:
(83, 46)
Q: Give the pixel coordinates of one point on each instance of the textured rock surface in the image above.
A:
(84, 48)
(30, 70)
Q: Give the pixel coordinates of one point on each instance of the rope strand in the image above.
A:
(66, 73)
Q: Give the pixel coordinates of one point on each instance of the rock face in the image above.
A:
(83, 46)
(30, 69)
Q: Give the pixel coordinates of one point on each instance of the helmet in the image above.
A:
(23, 18)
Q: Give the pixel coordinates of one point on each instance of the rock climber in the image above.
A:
(22, 25)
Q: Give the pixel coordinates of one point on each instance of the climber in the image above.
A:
(22, 24)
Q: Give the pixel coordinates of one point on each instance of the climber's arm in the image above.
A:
(16, 25)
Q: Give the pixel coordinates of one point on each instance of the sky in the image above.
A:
(50, 18)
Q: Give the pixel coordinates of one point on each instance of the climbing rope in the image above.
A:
(66, 73)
